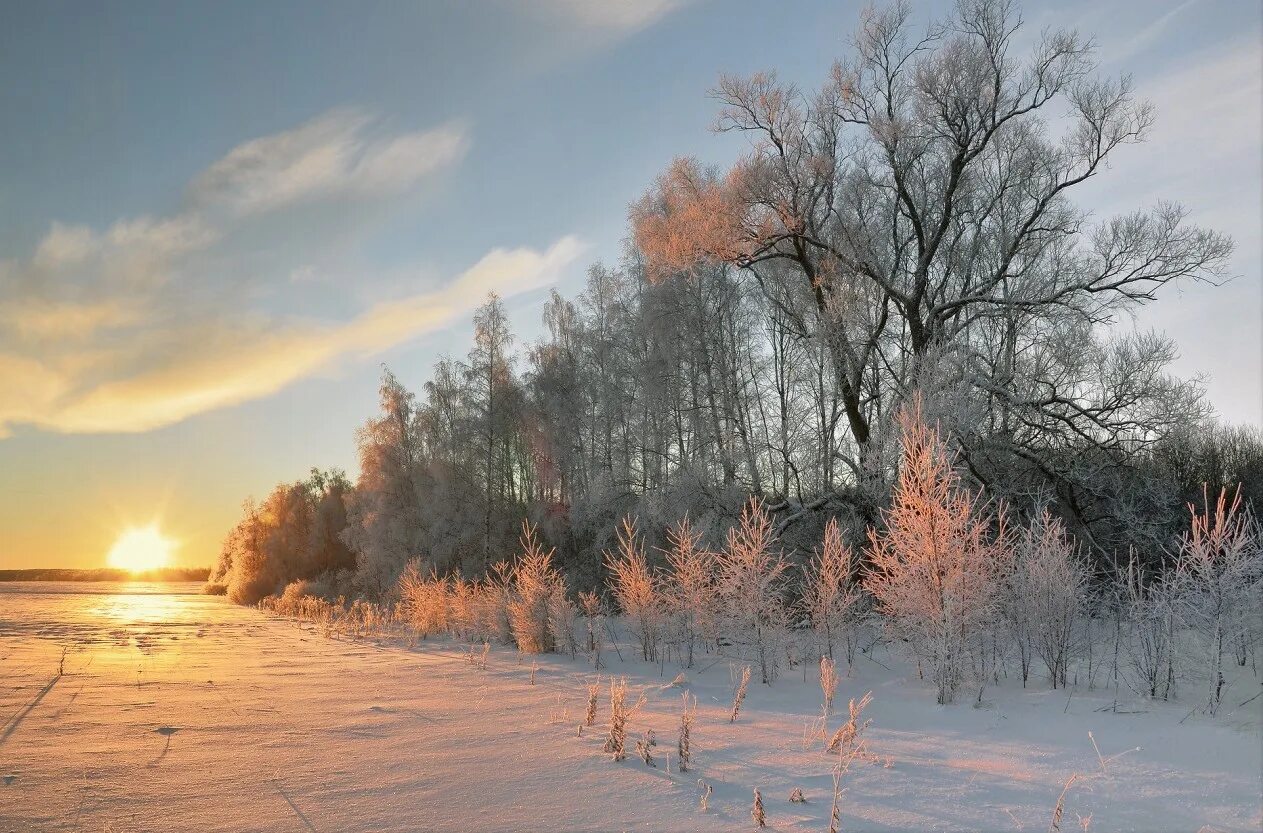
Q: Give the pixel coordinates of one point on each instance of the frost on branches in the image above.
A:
(752, 586)
(936, 571)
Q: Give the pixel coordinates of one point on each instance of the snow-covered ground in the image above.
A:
(182, 712)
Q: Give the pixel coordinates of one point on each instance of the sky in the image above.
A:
(217, 221)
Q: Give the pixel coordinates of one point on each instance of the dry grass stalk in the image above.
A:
(1061, 803)
(849, 743)
(644, 748)
(828, 683)
(616, 742)
(687, 715)
(739, 696)
(594, 692)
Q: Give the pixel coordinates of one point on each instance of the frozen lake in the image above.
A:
(178, 712)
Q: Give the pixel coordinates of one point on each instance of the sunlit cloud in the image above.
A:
(168, 374)
(335, 155)
(135, 252)
(132, 328)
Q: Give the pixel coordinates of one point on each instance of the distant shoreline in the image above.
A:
(105, 574)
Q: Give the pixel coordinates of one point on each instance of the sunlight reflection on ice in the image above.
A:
(132, 607)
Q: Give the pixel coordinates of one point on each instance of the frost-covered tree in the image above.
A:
(917, 208)
(1150, 608)
(936, 570)
(293, 534)
(493, 395)
(384, 527)
(751, 583)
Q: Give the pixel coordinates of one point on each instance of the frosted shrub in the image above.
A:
(425, 600)
(490, 604)
(535, 582)
(563, 618)
(1219, 564)
(833, 599)
(462, 613)
(756, 810)
(1018, 616)
(1149, 609)
(751, 587)
(691, 590)
(636, 589)
(1044, 595)
(935, 574)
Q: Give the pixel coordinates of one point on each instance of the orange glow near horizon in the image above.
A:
(141, 548)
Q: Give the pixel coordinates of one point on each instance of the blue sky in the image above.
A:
(217, 220)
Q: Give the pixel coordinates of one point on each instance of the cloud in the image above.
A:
(334, 155)
(135, 251)
(1137, 42)
(622, 16)
(153, 320)
(169, 370)
(40, 319)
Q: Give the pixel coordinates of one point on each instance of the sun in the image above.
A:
(141, 548)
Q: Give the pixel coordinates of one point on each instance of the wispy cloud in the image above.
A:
(620, 16)
(338, 154)
(168, 373)
(126, 330)
(1137, 42)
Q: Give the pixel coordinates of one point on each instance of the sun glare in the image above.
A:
(141, 548)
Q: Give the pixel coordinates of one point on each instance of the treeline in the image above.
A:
(905, 230)
(105, 574)
(946, 577)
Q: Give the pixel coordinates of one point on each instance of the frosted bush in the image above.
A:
(636, 589)
(534, 584)
(935, 572)
(425, 600)
(690, 590)
(751, 587)
(833, 599)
